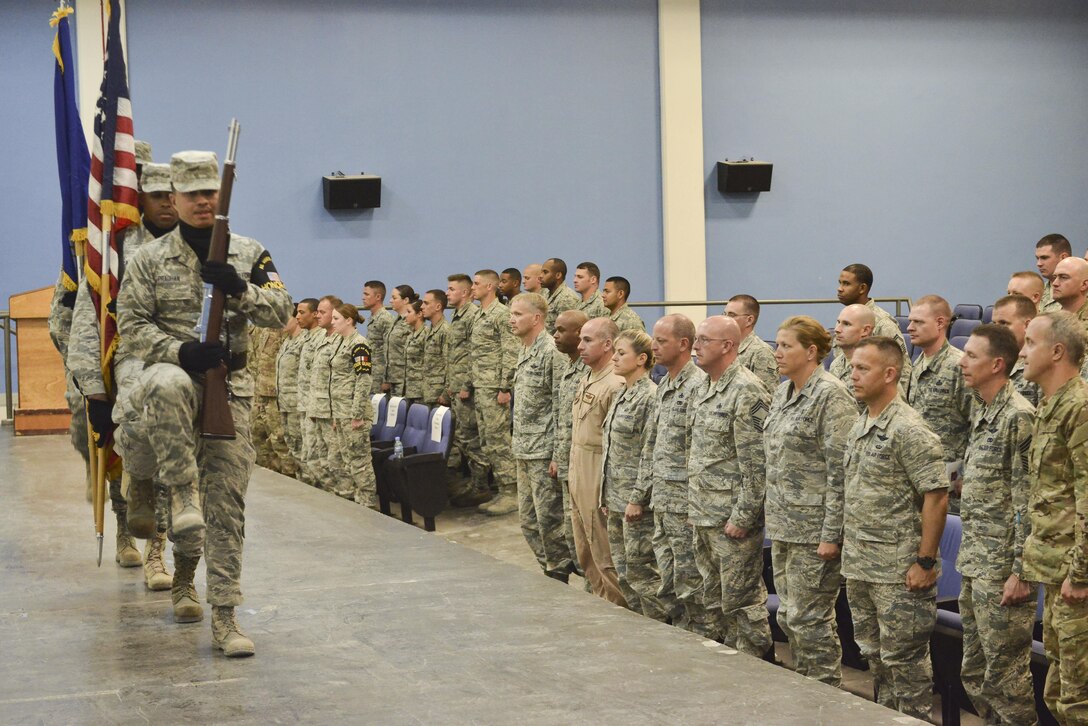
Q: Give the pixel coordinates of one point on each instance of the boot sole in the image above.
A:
(164, 585)
(237, 652)
(187, 524)
(188, 618)
(141, 527)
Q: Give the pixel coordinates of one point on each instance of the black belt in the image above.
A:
(238, 361)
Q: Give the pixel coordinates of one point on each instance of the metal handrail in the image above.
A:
(899, 301)
(9, 333)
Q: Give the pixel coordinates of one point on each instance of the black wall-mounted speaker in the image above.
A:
(363, 191)
(743, 177)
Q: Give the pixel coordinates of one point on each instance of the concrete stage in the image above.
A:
(357, 618)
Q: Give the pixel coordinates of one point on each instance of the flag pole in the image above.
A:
(102, 455)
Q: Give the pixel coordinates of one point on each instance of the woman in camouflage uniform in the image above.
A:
(630, 526)
(804, 437)
(413, 352)
(395, 354)
(352, 413)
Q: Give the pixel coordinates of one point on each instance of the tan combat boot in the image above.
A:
(185, 515)
(127, 554)
(505, 503)
(155, 575)
(187, 607)
(140, 496)
(226, 636)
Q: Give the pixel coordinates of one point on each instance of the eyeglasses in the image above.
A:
(703, 340)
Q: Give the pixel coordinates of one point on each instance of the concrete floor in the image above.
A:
(357, 618)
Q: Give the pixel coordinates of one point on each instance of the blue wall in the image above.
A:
(934, 145)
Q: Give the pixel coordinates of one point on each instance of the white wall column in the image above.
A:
(90, 30)
(680, 68)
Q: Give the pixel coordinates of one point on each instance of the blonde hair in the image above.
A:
(809, 332)
(349, 312)
(640, 342)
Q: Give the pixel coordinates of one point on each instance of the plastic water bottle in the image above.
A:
(398, 449)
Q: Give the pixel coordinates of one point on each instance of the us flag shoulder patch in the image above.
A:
(264, 273)
(360, 356)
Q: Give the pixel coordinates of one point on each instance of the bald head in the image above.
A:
(1071, 283)
(595, 346)
(854, 323)
(716, 342)
(530, 277)
(568, 328)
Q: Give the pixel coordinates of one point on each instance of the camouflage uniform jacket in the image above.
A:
(561, 299)
(841, 369)
(627, 319)
(264, 346)
(1057, 546)
(413, 362)
(396, 355)
(377, 329)
(60, 315)
(160, 300)
(594, 307)
(494, 348)
(320, 396)
(435, 353)
(459, 347)
(663, 468)
(755, 355)
(1028, 389)
(311, 340)
(625, 434)
(287, 373)
(1082, 316)
(534, 416)
(565, 379)
(805, 438)
(994, 508)
(349, 380)
(887, 327)
(726, 462)
(890, 464)
(938, 393)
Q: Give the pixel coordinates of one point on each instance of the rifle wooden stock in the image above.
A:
(216, 421)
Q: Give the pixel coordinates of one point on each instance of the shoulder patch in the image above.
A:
(360, 356)
(264, 273)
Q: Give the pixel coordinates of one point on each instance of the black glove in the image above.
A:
(100, 414)
(197, 357)
(223, 276)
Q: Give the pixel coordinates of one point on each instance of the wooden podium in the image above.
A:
(42, 408)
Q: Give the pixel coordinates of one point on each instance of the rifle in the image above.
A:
(216, 421)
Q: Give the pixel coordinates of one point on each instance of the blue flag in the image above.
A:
(73, 159)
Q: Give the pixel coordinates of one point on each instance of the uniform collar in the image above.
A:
(925, 363)
(595, 376)
(616, 315)
(807, 389)
(987, 412)
(881, 422)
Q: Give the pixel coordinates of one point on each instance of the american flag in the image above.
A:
(112, 188)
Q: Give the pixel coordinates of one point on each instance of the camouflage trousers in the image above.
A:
(77, 427)
(996, 669)
(633, 555)
(540, 510)
(807, 589)
(267, 428)
(892, 626)
(292, 436)
(349, 453)
(311, 460)
(328, 471)
(680, 580)
(590, 525)
(170, 400)
(568, 523)
(733, 591)
(465, 447)
(1065, 637)
(493, 423)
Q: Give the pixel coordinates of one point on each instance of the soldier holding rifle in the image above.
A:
(159, 314)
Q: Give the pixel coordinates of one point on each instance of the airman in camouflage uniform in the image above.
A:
(663, 476)
(287, 396)
(1049, 251)
(627, 319)
(936, 389)
(560, 297)
(312, 465)
(494, 355)
(318, 404)
(465, 450)
(540, 504)
(377, 330)
(855, 283)
(60, 323)
(631, 529)
(413, 357)
(895, 506)
(804, 437)
(614, 295)
(396, 356)
(352, 410)
(996, 606)
(1056, 550)
(754, 353)
(594, 306)
(435, 350)
(158, 309)
(726, 483)
(569, 370)
(265, 423)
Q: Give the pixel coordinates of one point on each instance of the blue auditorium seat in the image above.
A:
(948, 584)
(390, 424)
(658, 372)
(903, 321)
(958, 341)
(988, 314)
(963, 327)
(380, 402)
(419, 479)
(967, 312)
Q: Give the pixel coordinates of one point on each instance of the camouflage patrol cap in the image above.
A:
(155, 178)
(143, 152)
(193, 171)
